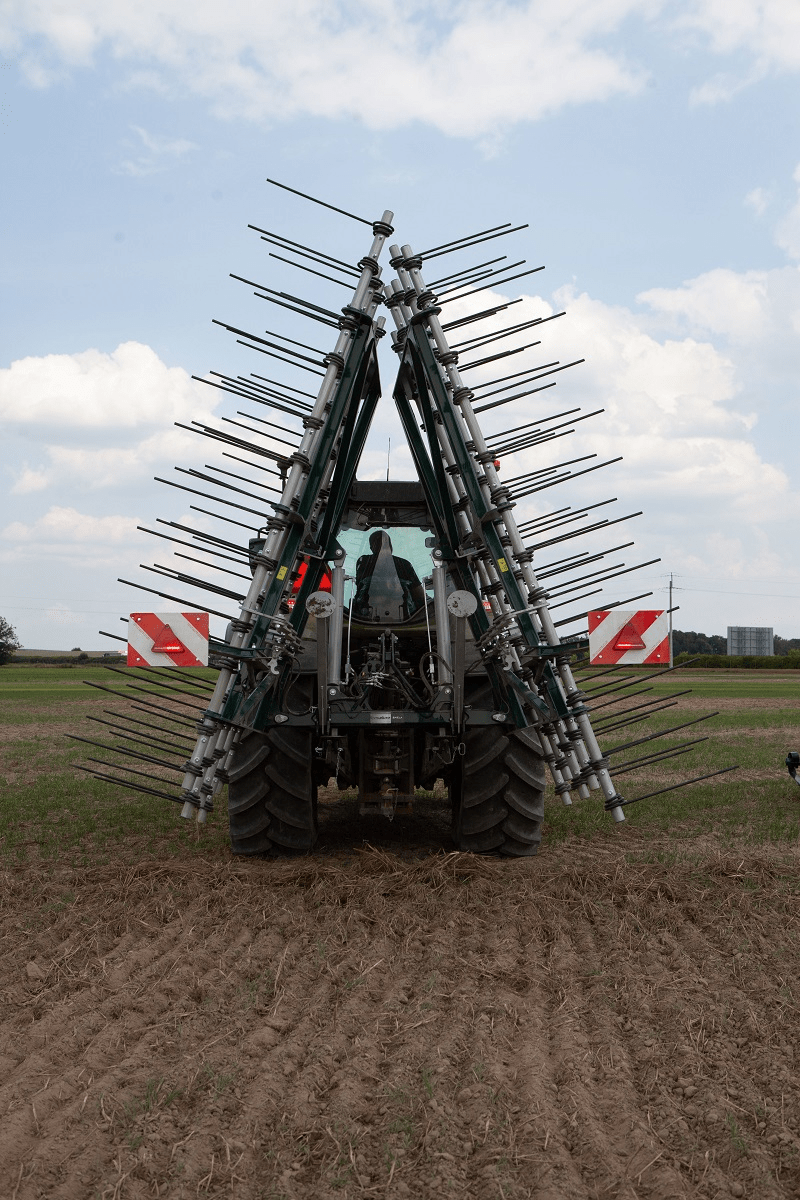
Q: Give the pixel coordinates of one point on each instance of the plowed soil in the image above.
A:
(611, 1019)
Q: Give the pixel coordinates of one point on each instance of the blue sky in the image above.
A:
(652, 147)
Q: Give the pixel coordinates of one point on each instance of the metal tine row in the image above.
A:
(445, 279)
(143, 741)
(484, 339)
(205, 771)
(616, 604)
(570, 745)
(318, 256)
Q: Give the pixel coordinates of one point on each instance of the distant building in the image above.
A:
(750, 639)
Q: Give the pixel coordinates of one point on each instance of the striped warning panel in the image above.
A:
(628, 637)
(173, 639)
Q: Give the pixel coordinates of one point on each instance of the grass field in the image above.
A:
(52, 809)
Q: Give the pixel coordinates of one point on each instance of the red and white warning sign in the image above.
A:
(173, 639)
(628, 637)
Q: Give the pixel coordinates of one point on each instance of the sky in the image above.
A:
(652, 148)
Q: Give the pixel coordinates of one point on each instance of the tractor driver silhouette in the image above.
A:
(387, 588)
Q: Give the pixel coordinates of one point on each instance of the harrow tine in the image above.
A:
(323, 203)
(649, 760)
(157, 728)
(159, 762)
(136, 787)
(178, 599)
(662, 733)
(616, 604)
(676, 786)
(123, 731)
(483, 315)
(466, 243)
(476, 277)
(176, 576)
(301, 267)
(299, 247)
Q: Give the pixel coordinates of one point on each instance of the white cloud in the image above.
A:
(679, 407)
(767, 31)
(787, 234)
(159, 152)
(469, 67)
(127, 389)
(59, 525)
(721, 301)
(759, 200)
(268, 61)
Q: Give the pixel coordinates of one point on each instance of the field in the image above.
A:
(615, 1018)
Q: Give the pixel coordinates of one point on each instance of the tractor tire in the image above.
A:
(498, 801)
(272, 797)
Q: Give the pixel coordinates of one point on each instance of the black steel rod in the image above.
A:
(481, 362)
(236, 391)
(289, 388)
(178, 599)
(176, 718)
(219, 517)
(274, 436)
(480, 316)
(243, 478)
(606, 608)
(569, 462)
(654, 736)
(205, 496)
(176, 576)
(475, 242)
(280, 358)
(323, 203)
(496, 283)
(634, 678)
(170, 674)
(115, 636)
(134, 787)
(637, 707)
(578, 560)
(652, 759)
(483, 339)
(301, 267)
(480, 274)
(570, 475)
(302, 246)
(201, 535)
(543, 375)
(255, 338)
(612, 574)
(466, 271)
(158, 729)
(521, 443)
(182, 542)
(468, 237)
(300, 312)
(132, 734)
(674, 788)
(257, 466)
(645, 716)
(159, 762)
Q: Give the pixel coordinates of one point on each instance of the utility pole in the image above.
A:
(670, 619)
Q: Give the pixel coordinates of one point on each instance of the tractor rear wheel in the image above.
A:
(498, 793)
(272, 797)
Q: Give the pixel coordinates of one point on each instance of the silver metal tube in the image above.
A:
(337, 620)
(442, 617)
(198, 788)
